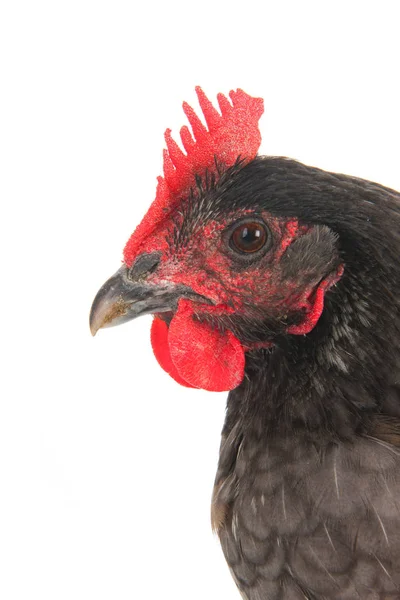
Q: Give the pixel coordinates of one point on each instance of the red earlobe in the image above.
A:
(316, 306)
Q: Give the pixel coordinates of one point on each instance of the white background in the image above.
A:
(107, 465)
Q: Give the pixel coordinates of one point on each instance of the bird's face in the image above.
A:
(222, 278)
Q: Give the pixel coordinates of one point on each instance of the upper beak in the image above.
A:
(121, 299)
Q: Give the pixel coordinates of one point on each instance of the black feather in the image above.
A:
(311, 488)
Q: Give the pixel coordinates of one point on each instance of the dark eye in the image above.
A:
(249, 237)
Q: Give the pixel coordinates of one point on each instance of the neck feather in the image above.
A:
(330, 383)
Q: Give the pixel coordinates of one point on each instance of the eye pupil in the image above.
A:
(249, 237)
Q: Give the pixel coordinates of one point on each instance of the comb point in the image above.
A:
(211, 115)
(199, 131)
(168, 167)
(186, 137)
(224, 105)
(175, 153)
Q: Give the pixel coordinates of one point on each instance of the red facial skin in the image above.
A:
(208, 265)
(206, 255)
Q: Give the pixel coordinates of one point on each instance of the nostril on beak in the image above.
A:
(144, 264)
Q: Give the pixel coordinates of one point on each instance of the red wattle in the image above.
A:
(203, 356)
(159, 343)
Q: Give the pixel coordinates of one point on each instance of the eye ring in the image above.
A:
(249, 237)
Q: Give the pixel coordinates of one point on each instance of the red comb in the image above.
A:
(228, 135)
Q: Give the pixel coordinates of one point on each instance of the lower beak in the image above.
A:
(122, 299)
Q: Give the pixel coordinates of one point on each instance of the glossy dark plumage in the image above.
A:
(307, 494)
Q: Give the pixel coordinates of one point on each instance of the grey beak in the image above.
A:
(122, 299)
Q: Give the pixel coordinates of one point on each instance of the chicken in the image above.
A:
(279, 283)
